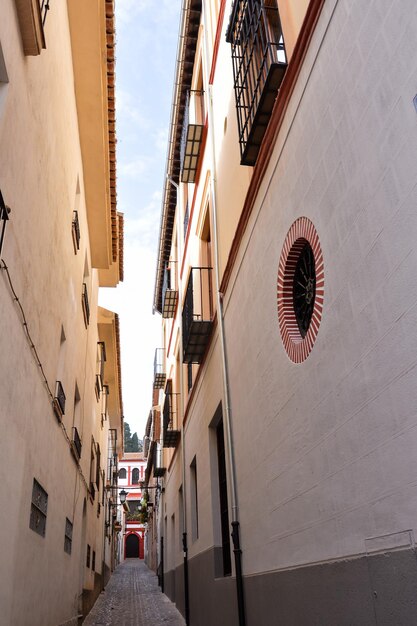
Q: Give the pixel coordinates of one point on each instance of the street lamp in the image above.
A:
(122, 496)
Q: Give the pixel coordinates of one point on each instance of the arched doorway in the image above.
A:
(132, 546)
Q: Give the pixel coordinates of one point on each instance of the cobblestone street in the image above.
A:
(133, 598)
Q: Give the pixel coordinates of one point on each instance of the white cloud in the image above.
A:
(128, 109)
(132, 169)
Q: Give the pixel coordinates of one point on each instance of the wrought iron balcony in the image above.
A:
(171, 434)
(85, 305)
(197, 314)
(169, 295)
(259, 64)
(32, 16)
(158, 467)
(76, 443)
(159, 375)
(191, 138)
(76, 236)
(58, 402)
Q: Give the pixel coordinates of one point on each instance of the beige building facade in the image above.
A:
(283, 405)
(60, 381)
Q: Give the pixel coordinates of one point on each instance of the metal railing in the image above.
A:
(191, 136)
(60, 397)
(76, 441)
(159, 375)
(44, 10)
(76, 230)
(86, 305)
(170, 410)
(197, 312)
(259, 64)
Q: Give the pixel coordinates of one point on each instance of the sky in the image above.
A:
(146, 35)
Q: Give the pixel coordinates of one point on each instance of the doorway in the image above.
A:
(132, 546)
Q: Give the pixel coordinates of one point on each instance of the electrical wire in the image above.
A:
(5, 268)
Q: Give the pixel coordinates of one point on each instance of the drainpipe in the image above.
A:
(181, 408)
(220, 316)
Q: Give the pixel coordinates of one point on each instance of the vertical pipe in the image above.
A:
(181, 364)
(225, 369)
(162, 564)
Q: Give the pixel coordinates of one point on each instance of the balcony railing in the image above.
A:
(259, 64)
(101, 359)
(76, 236)
(197, 314)
(158, 464)
(159, 375)
(58, 402)
(32, 16)
(192, 136)
(85, 305)
(76, 443)
(171, 433)
(169, 295)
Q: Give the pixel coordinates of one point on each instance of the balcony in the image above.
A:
(58, 402)
(85, 305)
(32, 15)
(76, 235)
(158, 470)
(197, 314)
(259, 65)
(159, 375)
(76, 444)
(169, 295)
(171, 434)
(101, 359)
(192, 136)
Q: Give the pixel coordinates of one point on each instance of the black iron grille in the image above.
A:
(86, 305)
(304, 289)
(191, 138)
(197, 314)
(59, 400)
(259, 64)
(76, 230)
(169, 295)
(159, 375)
(76, 443)
(170, 417)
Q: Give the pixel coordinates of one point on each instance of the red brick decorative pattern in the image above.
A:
(297, 347)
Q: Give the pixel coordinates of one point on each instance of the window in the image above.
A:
(88, 556)
(93, 561)
(194, 499)
(122, 473)
(300, 289)
(38, 509)
(75, 225)
(259, 64)
(68, 536)
(135, 476)
(4, 80)
(101, 359)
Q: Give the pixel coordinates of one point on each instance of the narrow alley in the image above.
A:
(133, 598)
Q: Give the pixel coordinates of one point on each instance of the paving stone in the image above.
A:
(133, 598)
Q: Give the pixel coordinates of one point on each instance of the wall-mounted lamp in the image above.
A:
(4, 216)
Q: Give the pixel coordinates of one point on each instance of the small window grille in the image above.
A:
(38, 509)
(68, 536)
(76, 235)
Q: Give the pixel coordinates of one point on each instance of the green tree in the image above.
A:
(132, 442)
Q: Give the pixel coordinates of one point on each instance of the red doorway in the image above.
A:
(134, 546)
